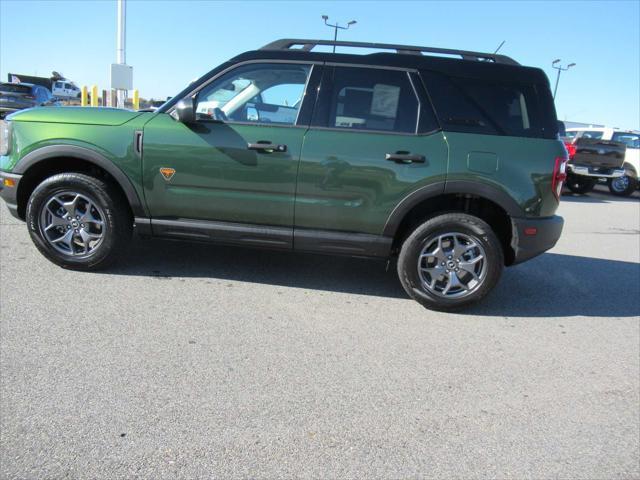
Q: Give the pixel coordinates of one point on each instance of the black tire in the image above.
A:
(468, 225)
(623, 186)
(118, 223)
(580, 184)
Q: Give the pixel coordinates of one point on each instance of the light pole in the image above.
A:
(556, 64)
(121, 46)
(336, 27)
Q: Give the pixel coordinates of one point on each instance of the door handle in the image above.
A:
(405, 157)
(266, 147)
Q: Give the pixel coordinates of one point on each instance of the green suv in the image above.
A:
(448, 160)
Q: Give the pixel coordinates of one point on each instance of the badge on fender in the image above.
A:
(167, 173)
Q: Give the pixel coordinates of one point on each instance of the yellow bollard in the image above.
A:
(136, 99)
(83, 96)
(94, 96)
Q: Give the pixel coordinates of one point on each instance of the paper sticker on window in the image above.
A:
(385, 100)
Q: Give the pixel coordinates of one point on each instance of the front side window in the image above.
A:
(368, 99)
(259, 93)
(631, 140)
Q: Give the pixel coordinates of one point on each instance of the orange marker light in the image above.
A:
(9, 182)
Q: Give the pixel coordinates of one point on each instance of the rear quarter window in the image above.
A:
(495, 107)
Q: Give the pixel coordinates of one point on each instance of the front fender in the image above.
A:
(49, 152)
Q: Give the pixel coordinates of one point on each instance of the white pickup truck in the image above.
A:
(626, 184)
(64, 89)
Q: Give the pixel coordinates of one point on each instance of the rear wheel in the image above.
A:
(622, 186)
(78, 221)
(450, 262)
(580, 184)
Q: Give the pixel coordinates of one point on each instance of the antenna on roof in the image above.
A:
(499, 46)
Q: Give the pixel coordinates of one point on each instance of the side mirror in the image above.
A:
(185, 110)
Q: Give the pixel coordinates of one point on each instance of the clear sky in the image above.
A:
(170, 43)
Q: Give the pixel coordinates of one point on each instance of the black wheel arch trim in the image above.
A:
(499, 197)
(81, 153)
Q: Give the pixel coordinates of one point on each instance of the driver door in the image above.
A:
(231, 174)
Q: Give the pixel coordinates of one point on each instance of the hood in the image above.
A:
(78, 115)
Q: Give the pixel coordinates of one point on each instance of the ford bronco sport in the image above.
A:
(448, 159)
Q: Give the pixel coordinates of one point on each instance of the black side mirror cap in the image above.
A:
(185, 110)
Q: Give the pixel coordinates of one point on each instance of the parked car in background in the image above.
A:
(592, 159)
(18, 96)
(65, 89)
(626, 183)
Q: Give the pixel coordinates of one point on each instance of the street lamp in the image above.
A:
(556, 64)
(336, 27)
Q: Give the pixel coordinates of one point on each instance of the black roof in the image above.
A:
(478, 65)
(307, 45)
(469, 64)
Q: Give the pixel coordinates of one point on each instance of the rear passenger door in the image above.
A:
(373, 140)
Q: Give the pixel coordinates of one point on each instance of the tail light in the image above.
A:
(559, 176)
(571, 149)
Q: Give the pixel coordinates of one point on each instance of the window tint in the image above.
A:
(264, 93)
(492, 107)
(367, 99)
(59, 85)
(631, 140)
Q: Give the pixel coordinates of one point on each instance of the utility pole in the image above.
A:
(336, 27)
(556, 64)
(121, 45)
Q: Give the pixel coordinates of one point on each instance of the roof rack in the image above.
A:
(308, 45)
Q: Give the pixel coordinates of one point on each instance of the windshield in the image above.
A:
(14, 88)
(631, 140)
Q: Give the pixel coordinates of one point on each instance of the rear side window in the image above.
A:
(492, 107)
(354, 98)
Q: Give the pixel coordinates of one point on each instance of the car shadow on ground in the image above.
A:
(552, 285)
(557, 285)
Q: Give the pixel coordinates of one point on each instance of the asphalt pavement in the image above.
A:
(200, 361)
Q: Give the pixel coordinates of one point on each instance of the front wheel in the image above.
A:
(580, 184)
(622, 186)
(78, 221)
(450, 262)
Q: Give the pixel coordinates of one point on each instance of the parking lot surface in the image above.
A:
(192, 360)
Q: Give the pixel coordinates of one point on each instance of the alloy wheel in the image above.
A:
(72, 223)
(452, 265)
